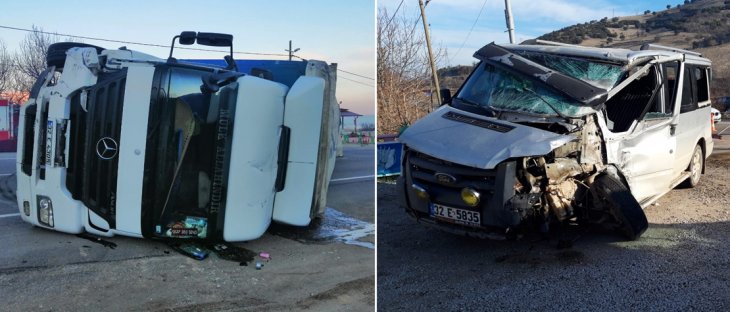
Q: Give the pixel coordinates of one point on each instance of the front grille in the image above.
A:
(493, 185)
(77, 139)
(90, 177)
(424, 168)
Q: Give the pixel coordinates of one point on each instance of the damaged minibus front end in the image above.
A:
(540, 136)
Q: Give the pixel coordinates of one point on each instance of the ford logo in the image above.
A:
(444, 178)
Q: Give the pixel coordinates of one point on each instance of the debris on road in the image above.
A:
(191, 250)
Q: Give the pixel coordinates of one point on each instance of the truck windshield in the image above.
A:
(187, 140)
(495, 89)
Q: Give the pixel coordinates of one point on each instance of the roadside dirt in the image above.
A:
(708, 202)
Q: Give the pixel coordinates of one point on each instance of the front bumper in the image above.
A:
(496, 187)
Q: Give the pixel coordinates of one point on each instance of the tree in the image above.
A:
(669, 6)
(6, 66)
(647, 12)
(30, 60)
(403, 72)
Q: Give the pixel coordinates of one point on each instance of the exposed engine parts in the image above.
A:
(556, 186)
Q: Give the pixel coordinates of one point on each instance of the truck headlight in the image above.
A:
(470, 196)
(45, 210)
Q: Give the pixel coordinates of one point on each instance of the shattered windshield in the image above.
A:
(603, 75)
(492, 88)
(184, 167)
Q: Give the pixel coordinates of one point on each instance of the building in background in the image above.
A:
(9, 113)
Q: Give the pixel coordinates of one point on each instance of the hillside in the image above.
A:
(701, 25)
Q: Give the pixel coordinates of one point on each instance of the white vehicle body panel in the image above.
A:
(132, 148)
(303, 116)
(252, 173)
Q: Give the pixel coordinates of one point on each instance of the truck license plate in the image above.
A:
(456, 215)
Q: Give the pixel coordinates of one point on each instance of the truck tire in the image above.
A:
(56, 54)
(696, 163)
(612, 193)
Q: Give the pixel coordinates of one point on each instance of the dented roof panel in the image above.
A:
(624, 56)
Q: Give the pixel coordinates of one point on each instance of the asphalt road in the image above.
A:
(681, 263)
(326, 267)
(723, 127)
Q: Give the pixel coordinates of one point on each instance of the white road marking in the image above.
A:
(6, 174)
(353, 178)
(723, 130)
(10, 215)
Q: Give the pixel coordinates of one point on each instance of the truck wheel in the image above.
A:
(56, 55)
(695, 168)
(614, 195)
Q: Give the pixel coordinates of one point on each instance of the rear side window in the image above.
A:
(701, 82)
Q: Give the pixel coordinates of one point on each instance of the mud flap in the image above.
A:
(615, 197)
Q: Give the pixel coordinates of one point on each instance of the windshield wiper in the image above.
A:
(490, 111)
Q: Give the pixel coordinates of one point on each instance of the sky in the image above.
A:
(334, 31)
(451, 20)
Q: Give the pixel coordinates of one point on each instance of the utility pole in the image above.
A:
(510, 22)
(430, 52)
(290, 50)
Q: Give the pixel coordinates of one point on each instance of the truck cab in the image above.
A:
(121, 142)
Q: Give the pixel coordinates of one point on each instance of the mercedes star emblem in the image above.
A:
(106, 148)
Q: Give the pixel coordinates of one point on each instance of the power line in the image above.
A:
(355, 81)
(394, 13)
(138, 43)
(361, 76)
(165, 46)
(470, 30)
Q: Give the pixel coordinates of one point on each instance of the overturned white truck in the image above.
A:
(547, 134)
(121, 142)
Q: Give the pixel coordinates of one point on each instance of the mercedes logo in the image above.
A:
(106, 148)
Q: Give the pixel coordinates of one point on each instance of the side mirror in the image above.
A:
(186, 38)
(215, 39)
(445, 96)
(207, 39)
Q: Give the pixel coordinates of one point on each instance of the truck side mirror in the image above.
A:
(187, 37)
(215, 39)
(207, 39)
(445, 96)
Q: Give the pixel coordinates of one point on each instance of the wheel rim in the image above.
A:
(696, 166)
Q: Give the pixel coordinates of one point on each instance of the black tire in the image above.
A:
(56, 55)
(696, 163)
(614, 195)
